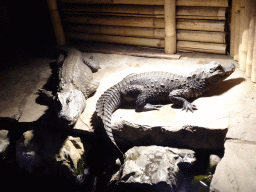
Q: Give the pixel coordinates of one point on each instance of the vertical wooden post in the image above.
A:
(170, 26)
(253, 74)
(56, 22)
(232, 30)
(236, 4)
(251, 39)
(245, 15)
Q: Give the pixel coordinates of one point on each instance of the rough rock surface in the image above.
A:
(212, 113)
(213, 162)
(142, 129)
(154, 168)
(237, 169)
(4, 143)
(49, 153)
(169, 126)
(229, 104)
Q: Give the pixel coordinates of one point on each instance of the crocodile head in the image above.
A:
(69, 104)
(214, 73)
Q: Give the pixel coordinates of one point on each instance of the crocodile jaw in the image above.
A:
(222, 73)
(214, 72)
(69, 106)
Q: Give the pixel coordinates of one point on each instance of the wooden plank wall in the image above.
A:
(200, 24)
(243, 36)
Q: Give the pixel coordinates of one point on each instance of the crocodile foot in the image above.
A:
(188, 106)
(149, 107)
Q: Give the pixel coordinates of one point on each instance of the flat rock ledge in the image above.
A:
(169, 127)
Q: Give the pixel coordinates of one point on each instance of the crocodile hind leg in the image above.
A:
(178, 97)
(142, 105)
(92, 63)
(140, 95)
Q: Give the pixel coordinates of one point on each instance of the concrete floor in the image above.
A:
(20, 82)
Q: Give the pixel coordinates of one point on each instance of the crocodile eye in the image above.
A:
(212, 70)
(219, 67)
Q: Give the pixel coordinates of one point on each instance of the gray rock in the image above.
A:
(165, 127)
(213, 162)
(153, 168)
(49, 153)
(4, 143)
(237, 170)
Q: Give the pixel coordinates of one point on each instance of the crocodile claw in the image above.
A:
(188, 106)
(149, 107)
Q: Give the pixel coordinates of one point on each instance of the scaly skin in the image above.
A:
(76, 84)
(159, 86)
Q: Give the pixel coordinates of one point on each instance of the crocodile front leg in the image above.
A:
(178, 97)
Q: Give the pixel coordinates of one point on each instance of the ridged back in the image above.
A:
(66, 72)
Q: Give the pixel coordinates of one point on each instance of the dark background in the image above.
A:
(26, 29)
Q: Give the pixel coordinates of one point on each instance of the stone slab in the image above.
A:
(169, 127)
(243, 122)
(213, 108)
(237, 169)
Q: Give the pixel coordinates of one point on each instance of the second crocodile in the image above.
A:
(75, 84)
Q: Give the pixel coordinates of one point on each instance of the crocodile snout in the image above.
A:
(229, 69)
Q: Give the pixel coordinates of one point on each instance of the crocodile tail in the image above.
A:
(109, 101)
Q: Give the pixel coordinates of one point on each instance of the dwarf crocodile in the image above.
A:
(74, 85)
(148, 87)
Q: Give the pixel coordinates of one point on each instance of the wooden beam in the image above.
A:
(199, 3)
(183, 35)
(117, 30)
(133, 2)
(200, 17)
(56, 22)
(232, 29)
(216, 13)
(170, 26)
(186, 24)
(118, 21)
(201, 25)
(158, 43)
(251, 37)
(204, 3)
(111, 9)
(143, 54)
(201, 36)
(236, 32)
(253, 74)
(244, 30)
(201, 47)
